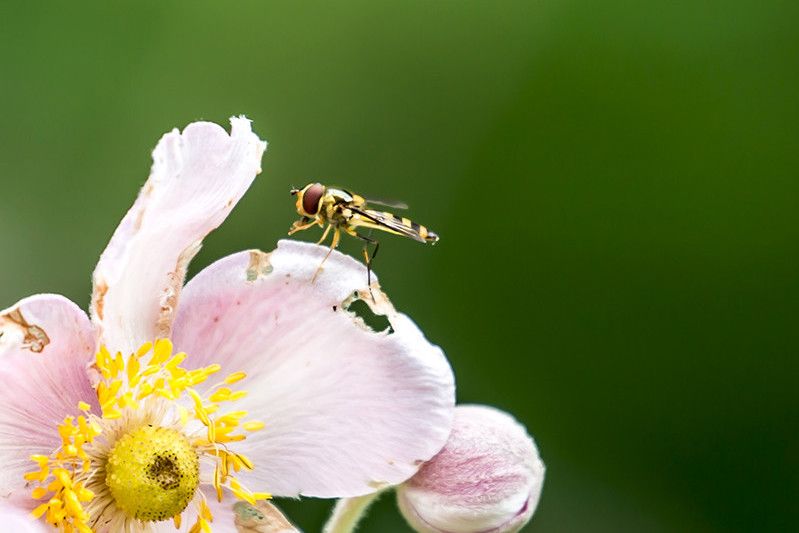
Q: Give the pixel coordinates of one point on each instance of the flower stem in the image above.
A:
(348, 512)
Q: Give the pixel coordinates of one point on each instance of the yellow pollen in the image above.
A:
(152, 473)
(149, 465)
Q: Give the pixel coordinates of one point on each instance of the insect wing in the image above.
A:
(395, 224)
(391, 204)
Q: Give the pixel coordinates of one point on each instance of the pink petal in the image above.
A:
(18, 520)
(46, 343)
(347, 410)
(196, 179)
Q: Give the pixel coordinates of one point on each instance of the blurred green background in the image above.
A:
(615, 184)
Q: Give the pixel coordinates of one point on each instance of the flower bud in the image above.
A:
(487, 478)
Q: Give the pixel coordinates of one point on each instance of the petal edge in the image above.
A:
(196, 179)
(43, 380)
(348, 410)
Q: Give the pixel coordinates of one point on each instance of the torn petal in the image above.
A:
(196, 178)
(347, 410)
(46, 343)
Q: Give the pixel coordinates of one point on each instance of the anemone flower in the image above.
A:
(172, 404)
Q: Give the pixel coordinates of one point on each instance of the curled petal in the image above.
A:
(46, 342)
(347, 410)
(488, 478)
(196, 179)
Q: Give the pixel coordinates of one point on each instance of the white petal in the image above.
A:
(47, 341)
(347, 410)
(196, 179)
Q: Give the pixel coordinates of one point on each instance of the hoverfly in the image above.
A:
(339, 210)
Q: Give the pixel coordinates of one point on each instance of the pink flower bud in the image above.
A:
(487, 478)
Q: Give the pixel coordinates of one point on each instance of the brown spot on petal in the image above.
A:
(168, 302)
(146, 192)
(259, 265)
(263, 517)
(137, 222)
(377, 300)
(170, 293)
(98, 298)
(34, 338)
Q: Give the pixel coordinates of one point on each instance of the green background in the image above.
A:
(615, 184)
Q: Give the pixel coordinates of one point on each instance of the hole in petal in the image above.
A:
(374, 321)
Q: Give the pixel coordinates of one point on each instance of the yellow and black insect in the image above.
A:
(342, 210)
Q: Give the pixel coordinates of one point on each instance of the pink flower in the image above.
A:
(486, 479)
(273, 385)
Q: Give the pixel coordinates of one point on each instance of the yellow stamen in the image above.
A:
(40, 510)
(130, 448)
(253, 425)
(234, 378)
(205, 511)
(161, 352)
(220, 395)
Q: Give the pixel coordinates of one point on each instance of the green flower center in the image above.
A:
(152, 473)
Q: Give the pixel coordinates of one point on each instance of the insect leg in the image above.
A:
(369, 260)
(376, 243)
(301, 225)
(324, 235)
(377, 247)
(333, 245)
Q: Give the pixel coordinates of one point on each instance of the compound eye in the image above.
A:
(311, 197)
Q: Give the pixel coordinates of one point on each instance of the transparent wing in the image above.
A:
(391, 204)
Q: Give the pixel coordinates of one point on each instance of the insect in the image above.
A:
(339, 210)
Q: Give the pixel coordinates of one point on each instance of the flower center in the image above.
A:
(137, 459)
(152, 473)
